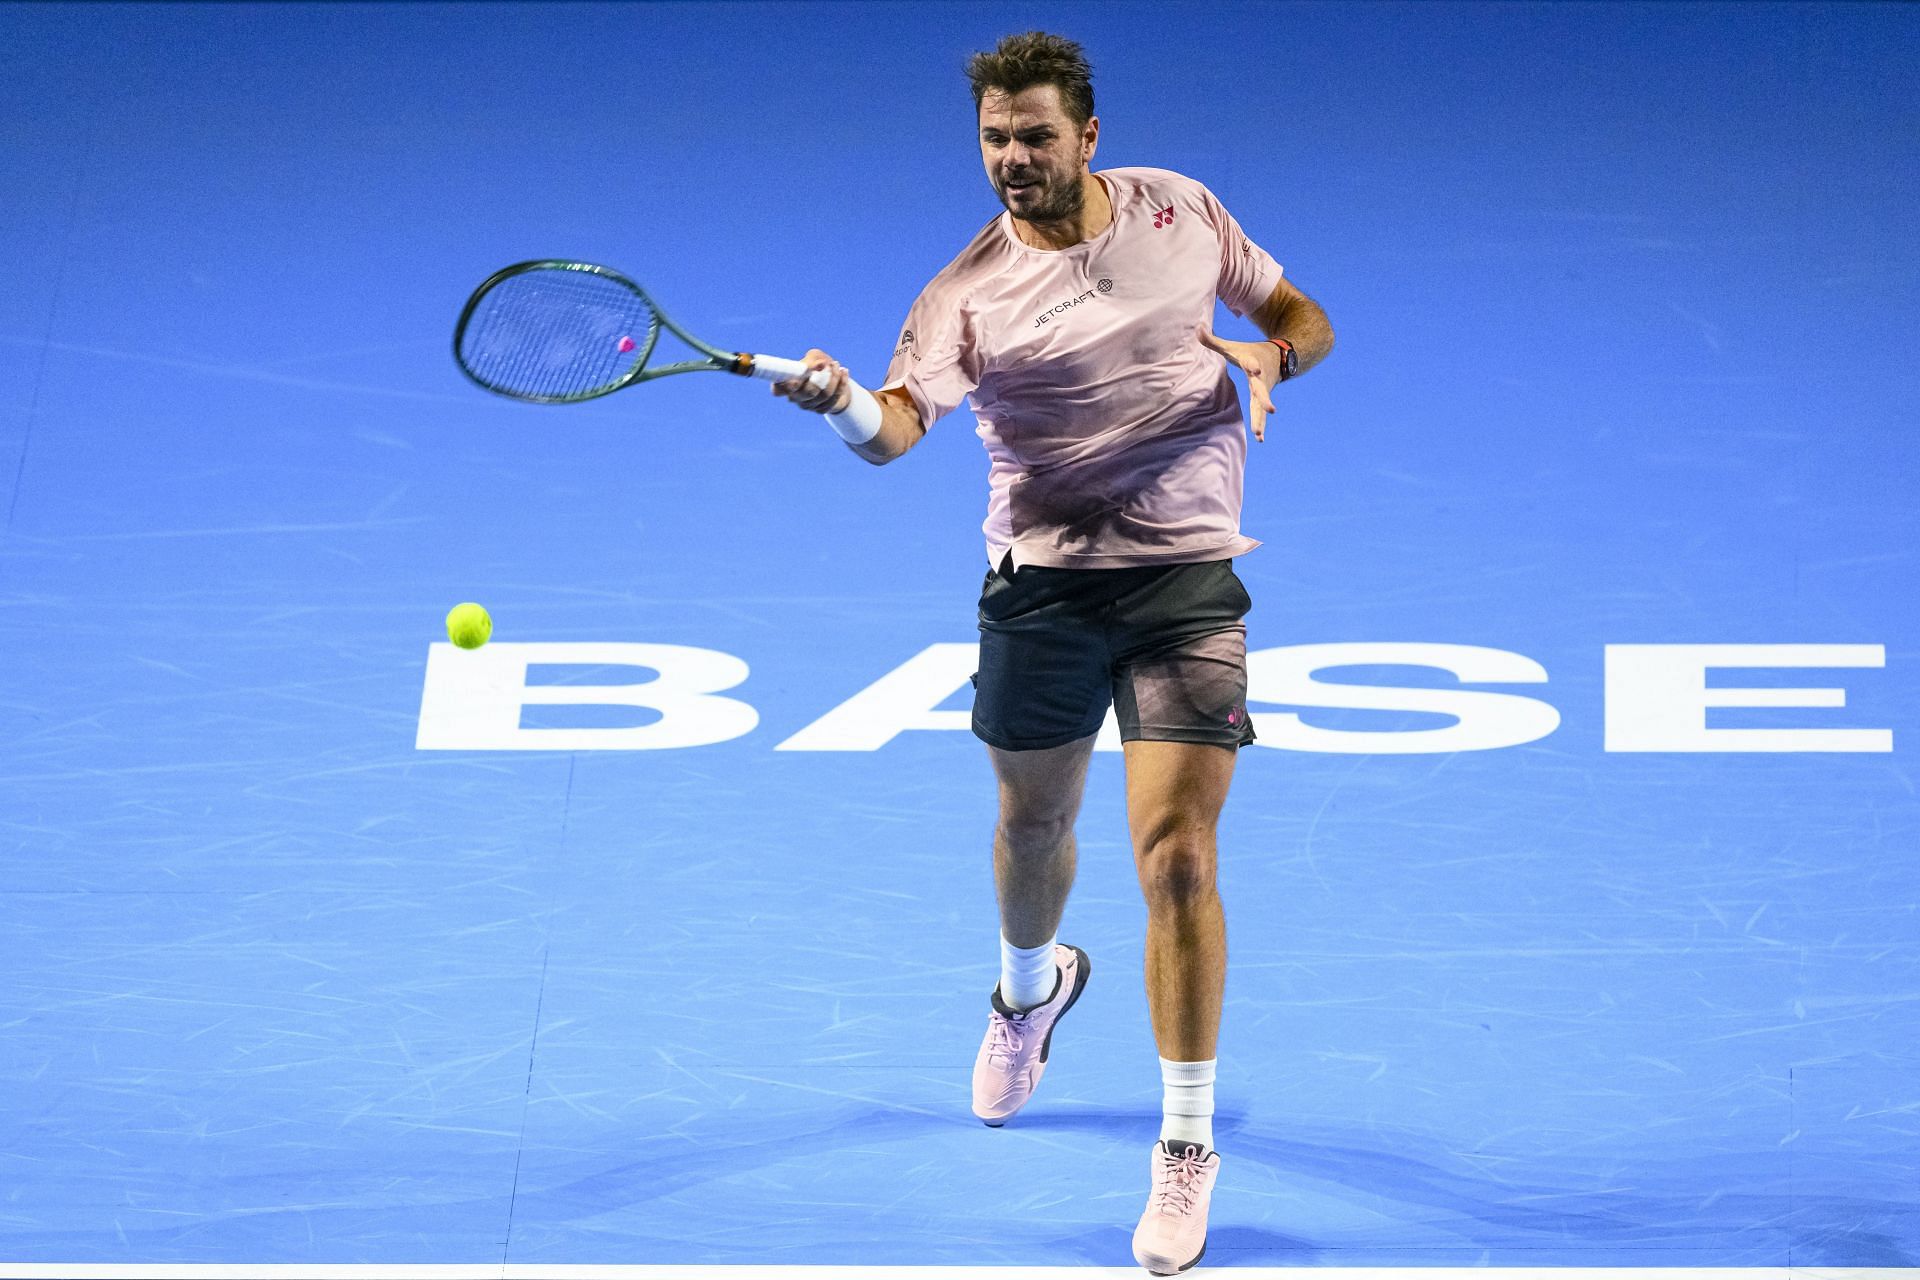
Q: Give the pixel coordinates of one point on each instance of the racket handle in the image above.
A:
(778, 369)
(857, 424)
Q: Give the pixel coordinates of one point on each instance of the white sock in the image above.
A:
(1186, 1101)
(1028, 975)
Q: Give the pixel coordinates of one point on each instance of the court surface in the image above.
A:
(312, 957)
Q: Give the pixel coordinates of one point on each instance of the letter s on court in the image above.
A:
(1484, 721)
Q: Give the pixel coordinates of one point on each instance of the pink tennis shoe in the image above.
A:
(1014, 1054)
(1172, 1234)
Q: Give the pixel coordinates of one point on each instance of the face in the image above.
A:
(1034, 155)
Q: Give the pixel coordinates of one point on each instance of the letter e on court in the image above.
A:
(1657, 697)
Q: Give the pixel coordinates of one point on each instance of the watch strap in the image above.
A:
(1289, 361)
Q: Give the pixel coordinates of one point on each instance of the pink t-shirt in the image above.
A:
(1114, 438)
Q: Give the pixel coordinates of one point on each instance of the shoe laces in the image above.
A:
(1005, 1038)
(1180, 1187)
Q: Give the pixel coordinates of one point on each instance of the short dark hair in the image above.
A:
(1034, 57)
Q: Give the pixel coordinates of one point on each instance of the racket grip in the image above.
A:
(779, 369)
(858, 423)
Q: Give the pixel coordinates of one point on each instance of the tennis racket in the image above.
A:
(554, 332)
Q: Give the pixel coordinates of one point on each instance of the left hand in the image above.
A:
(1260, 361)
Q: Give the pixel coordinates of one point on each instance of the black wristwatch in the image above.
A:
(1289, 361)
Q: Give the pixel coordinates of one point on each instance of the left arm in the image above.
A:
(1287, 314)
(1290, 314)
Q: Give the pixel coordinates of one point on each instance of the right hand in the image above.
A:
(832, 399)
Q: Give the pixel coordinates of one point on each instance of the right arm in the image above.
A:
(900, 428)
(900, 425)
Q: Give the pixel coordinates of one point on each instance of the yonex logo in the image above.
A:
(1163, 217)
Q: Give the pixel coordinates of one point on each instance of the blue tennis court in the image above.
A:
(1572, 888)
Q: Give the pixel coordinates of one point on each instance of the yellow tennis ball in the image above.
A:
(468, 625)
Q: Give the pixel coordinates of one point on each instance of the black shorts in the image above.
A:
(1165, 645)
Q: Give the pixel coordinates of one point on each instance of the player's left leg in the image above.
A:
(1180, 688)
(1175, 791)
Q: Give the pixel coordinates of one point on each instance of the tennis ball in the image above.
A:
(468, 625)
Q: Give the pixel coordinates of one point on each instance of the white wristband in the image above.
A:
(859, 422)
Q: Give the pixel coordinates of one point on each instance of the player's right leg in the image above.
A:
(1040, 695)
(1040, 979)
(1034, 854)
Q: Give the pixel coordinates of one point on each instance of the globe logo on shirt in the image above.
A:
(1105, 286)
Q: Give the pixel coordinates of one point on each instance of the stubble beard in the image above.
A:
(1065, 201)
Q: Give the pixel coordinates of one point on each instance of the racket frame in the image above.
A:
(741, 363)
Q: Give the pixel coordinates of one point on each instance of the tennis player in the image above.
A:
(1076, 325)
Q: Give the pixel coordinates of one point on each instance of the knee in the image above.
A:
(1178, 872)
(1035, 834)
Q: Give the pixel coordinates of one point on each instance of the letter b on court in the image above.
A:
(473, 699)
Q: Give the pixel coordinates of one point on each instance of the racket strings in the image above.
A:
(557, 334)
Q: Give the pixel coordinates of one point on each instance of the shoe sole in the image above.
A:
(1185, 1266)
(1082, 971)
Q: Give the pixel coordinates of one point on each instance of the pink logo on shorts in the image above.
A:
(1233, 716)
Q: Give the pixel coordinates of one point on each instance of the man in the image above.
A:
(1076, 325)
